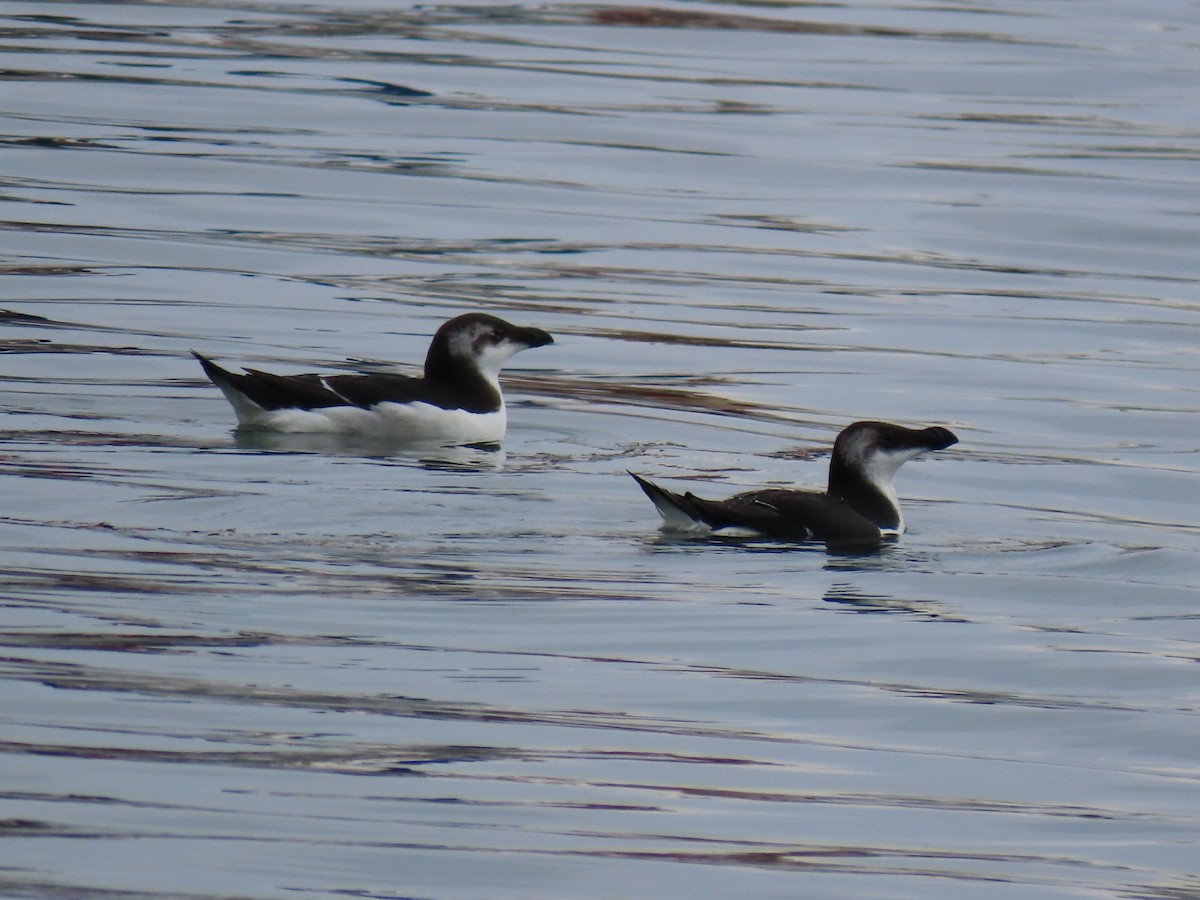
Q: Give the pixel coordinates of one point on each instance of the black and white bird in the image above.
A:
(860, 505)
(457, 401)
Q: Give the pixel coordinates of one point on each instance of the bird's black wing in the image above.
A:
(747, 511)
(370, 390)
(272, 391)
(312, 391)
(815, 517)
(288, 391)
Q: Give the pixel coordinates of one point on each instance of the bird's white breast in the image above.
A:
(415, 422)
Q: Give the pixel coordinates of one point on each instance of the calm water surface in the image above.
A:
(277, 668)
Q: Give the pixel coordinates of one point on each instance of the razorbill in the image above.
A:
(457, 401)
(859, 506)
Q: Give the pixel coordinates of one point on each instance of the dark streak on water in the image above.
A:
(252, 666)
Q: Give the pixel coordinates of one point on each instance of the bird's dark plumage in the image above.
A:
(859, 505)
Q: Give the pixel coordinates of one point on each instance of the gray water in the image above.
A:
(276, 668)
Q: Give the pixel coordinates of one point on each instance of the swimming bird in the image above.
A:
(859, 506)
(457, 401)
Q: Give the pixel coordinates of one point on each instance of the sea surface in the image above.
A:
(243, 666)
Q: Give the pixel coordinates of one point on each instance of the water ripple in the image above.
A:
(246, 665)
